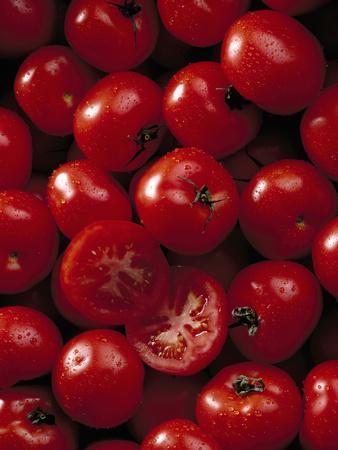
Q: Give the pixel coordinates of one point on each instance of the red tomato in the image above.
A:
(200, 23)
(28, 241)
(201, 110)
(119, 121)
(323, 342)
(294, 7)
(80, 193)
(277, 302)
(30, 344)
(274, 61)
(49, 85)
(15, 150)
(113, 445)
(284, 206)
(165, 397)
(325, 256)
(320, 134)
(112, 35)
(179, 434)
(319, 428)
(113, 271)
(188, 330)
(26, 25)
(31, 420)
(248, 406)
(187, 201)
(97, 379)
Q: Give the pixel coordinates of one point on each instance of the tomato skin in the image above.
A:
(49, 85)
(293, 7)
(319, 132)
(164, 201)
(274, 61)
(28, 241)
(288, 302)
(325, 256)
(116, 260)
(80, 193)
(288, 185)
(271, 417)
(105, 38)
(26, 26)
(30, 346)
(188, 330)
(15, 151)
(319, 430)
(113, 445)
(200, 24)
(197, 114)
(165, 397)
(94, 371)
(181, 434)
(17, 430)
(112, 114)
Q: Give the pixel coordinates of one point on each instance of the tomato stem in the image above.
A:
(128, 9)
(244, 385)
(245, 316)
(39, 417)
(145, 135)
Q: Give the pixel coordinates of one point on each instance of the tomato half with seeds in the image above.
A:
(187, 201)
(188, 330)
(113, 271)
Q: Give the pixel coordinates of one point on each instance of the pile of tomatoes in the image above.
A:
(168, 224)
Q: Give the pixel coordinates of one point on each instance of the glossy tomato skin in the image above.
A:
(25, 26)
(319, 430)
(166, 201)
(18, 432)
(30, 344)
(113, 445)
(197, 23)
(49, 85)
(319, 132)
(15, 151)
(80, 193)
(94, 371)
(198, 115)
(28, 241)
(165, 397)
(274, 61)
(271, 418)
(287, 300)
(113, 271)
(188, 330)
(295, 7)
(107, 38)
(323, 341)
(283, 207)
(325, 256)
(112, 120)
(181, 434)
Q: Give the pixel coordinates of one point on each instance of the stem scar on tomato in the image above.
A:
(145, 135)
(40, 417)
(129, 9)
(244, 385)
(233, 98)
(245, 316)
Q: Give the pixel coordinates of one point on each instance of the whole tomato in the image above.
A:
(112, 35)
(119, 121)
(98, 378)
(80, 193)
(274, 61)
(31, 420)
(319, 430)
(284, 206)
(179, 434)
(202, 110)
(30, 344)
(276, 305)
(49, 85)
(249, 406)
(28, 241)
(187, 201)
